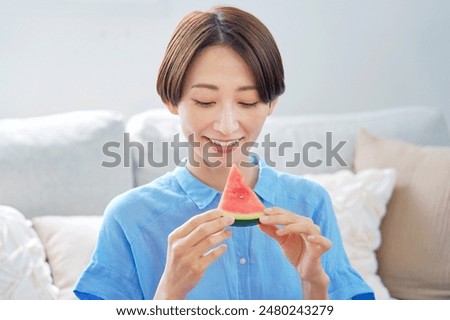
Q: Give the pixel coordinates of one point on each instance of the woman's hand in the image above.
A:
(192, 247)
(303, 245)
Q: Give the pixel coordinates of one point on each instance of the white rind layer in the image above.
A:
(243, 216)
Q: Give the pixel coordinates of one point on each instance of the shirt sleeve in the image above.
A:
(112, 272)
(345, 281)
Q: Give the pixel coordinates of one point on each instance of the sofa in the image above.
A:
(387, 173)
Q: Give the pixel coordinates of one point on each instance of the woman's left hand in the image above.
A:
(300, 239)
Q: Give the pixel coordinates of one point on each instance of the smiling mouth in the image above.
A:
(222, 146)
(228, 143)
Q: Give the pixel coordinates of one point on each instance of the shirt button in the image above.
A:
(242, 261)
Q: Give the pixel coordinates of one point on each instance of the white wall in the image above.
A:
(339, 56)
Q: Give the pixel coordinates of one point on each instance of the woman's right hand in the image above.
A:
(192, 247)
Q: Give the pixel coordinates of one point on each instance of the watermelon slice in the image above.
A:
(239, 201)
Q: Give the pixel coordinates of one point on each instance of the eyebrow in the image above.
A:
(213, 87)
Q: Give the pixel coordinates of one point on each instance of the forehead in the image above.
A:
(217, 64)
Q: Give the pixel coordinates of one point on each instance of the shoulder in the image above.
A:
(298, 188)
(138, 206)
(307, 186)
(160, 188)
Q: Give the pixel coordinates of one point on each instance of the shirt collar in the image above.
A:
(202, 194)
(266, 185)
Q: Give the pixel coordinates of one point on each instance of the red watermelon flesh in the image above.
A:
(240, 201)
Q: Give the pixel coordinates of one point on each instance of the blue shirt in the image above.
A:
(131, 250)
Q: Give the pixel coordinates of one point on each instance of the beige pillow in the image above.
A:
(359, 202)
(69, 242)
(414, 256)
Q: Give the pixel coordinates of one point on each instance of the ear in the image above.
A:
(173, 109)
(272, 105)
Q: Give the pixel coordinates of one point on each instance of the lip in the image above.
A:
(225, 145)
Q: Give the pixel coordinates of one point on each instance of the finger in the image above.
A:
(211, 241)
(277, 210)
(283, 218)
(306, 228)
(320, 242)
(212, 255)
(187, 227)
(207, 229)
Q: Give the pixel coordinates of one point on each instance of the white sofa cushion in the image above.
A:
(69, 243)
(24, 273)
(153, 129)
(53, 164)
(419, 125)
(359, 202)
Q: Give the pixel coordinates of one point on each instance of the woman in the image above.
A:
(221, 74)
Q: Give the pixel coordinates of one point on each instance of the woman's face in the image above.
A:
(220, 109)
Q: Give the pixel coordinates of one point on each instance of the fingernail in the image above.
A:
(229, 220)
(264, 219)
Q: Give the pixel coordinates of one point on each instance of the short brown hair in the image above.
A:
(227, 26)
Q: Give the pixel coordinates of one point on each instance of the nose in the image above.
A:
(226, 121)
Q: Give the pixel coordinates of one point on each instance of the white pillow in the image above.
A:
(359, 201)
(24, 274)
(69, 242)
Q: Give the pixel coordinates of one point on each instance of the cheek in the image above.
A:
(256, 130)
(183, 117)
(190, 121)
(253, 128)
(256, 120)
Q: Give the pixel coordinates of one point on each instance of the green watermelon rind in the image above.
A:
(245, 223)
(244, 219)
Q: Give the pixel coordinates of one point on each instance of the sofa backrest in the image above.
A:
(52, 165)
(302, 143)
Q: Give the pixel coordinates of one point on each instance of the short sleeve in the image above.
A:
(112, 272)
(345, 282)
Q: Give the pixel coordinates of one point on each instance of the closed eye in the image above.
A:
(204, 103)
(248, 105)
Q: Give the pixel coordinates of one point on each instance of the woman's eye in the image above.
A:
(204, 103)
(248, 105)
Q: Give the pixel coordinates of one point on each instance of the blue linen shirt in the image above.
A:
(131, 250)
